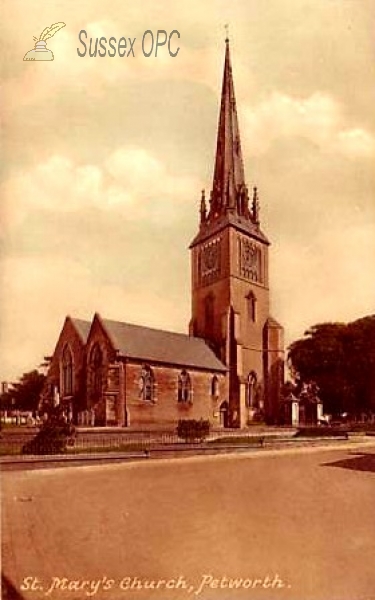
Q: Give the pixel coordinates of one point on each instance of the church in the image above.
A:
(229, 367)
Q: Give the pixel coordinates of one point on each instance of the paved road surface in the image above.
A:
(288, 525)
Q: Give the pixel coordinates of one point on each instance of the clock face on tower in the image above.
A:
(209, 261)
(250, 260)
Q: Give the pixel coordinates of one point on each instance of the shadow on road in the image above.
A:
(360, 462)
(8, 591)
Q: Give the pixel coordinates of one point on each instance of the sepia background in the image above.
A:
(104, 159)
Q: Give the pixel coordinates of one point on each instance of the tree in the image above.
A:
(24, 394)
(6, 401)
(340, 358)
(54, 436)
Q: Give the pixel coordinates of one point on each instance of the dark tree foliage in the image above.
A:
(54, 436)
(340, 358)
(25, 394)
(6, 401)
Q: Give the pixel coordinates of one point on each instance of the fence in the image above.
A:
(146, 443)
(97, 441)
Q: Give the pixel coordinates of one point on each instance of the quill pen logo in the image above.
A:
(41, 52)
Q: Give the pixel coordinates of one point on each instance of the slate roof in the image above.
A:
(155, 345)
(82, 327)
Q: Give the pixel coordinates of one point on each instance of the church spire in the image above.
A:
(229, 192)
(228, 203)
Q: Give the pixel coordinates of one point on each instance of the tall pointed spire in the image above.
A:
(229, 190)
(229, 203)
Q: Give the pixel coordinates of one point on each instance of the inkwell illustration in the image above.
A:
(41, 52)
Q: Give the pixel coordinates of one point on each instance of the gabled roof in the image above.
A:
(155, 345)
(82, 328)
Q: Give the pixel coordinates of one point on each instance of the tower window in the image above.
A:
(184, 387)
(147, 384)
(252, 306)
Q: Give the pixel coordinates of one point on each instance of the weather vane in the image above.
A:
(226, 26)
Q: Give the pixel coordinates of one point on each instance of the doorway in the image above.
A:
(224, 414)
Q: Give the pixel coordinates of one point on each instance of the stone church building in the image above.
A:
(229, 369)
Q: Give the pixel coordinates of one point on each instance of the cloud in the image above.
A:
(318, 118)
(356, 143)
(40, 286)
(59, 216)
(146, 176)
(130, 180)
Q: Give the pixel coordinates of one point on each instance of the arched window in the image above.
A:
(184, 387)
(251, 306)
(251, 383)
(67, 372)
(147, 384)
(215, 386)
(96, 368)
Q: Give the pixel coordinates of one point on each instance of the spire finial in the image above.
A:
(255, 206)
(226, 27)
(203, 209)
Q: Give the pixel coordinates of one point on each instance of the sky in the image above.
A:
(104, 160)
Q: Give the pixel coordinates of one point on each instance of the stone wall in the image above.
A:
(165, 409)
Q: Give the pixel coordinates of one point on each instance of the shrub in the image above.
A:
(321, 432)
(192, 430)
(53, 437)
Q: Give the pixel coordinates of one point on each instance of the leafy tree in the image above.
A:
(6, 401)
(361, 361)
(25, 394)
(54, 436)
(340, 358)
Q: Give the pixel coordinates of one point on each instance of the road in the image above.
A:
(290, 524)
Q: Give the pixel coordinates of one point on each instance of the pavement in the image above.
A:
(289, 524)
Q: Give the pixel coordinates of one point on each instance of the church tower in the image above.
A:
(230, 284)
